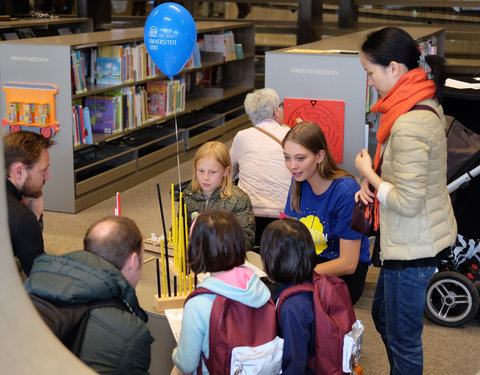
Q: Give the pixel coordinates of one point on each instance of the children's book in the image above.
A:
(102, 114)
(204, 77)
(109, 70)
(87, 126)
(157, 98)
(197, 59)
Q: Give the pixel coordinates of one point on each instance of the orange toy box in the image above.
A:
(31, 106)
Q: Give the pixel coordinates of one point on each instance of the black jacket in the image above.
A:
(25, 230)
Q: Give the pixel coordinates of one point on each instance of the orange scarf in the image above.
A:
(410, 89)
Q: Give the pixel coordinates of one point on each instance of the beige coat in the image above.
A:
(416, 217)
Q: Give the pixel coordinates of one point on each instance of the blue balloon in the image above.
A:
(170, 35)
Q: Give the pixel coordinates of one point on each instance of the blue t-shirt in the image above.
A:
(328, 217)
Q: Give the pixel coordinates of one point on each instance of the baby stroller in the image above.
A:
(453, 292)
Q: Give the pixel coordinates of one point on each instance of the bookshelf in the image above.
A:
(86, 174)
(24, 27)
(309, 72)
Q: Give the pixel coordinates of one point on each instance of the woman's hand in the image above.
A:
(363, 163)
(365, 194)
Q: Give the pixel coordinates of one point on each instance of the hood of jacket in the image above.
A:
(80, 277)
(255, 294)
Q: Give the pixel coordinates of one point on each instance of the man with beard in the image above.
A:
(26, 168)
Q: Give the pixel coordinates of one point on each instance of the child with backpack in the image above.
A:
(314, 311)
(231, 308)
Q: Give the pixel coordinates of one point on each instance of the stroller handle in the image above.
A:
(454, 185)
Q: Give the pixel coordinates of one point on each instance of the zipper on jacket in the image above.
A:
(207, 199)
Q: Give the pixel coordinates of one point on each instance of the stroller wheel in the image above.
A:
(452, 299)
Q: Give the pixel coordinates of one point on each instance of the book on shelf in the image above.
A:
(25, 33)
(82, 128)
(76, 72)
(119, 99)
(64, 31)
(171, 101)
(239, 50)
(197, 59)
(203, 77)
(93, 65)
(109, 70)
(79, 70)
(10, 36)
(139, 69)
(223, 43)
(87, 126)
(217, 75)
(183, 94)
(230, 53)
(76, 131)
(157, 98)
(214, 43)
(166, 97)
(128, 99)
(103, 114)
(140, 105)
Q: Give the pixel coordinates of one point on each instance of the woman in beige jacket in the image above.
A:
(415, 213)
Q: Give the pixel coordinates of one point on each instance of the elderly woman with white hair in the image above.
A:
(257, 158)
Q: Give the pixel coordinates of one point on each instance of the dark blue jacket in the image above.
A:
(297, 327)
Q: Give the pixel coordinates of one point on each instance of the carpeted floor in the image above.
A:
(447, 350)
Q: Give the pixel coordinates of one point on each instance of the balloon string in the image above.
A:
(178, 152)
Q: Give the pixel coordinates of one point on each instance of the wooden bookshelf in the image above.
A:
(87, 174)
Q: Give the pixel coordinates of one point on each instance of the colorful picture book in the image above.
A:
(82, 130)
(109, 70)
(103, 112)
(157, 98)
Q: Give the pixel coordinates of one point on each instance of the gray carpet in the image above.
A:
(446, 350)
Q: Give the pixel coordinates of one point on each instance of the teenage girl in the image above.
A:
(216, 245)
(322, 196)
(212, 188)
(289, 257)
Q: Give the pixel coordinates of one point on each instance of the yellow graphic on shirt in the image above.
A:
(316, 229)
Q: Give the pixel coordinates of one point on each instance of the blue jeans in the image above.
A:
(397, 312)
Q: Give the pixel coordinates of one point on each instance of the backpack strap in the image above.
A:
(76, 345)
(69, 321)
(195, 293)
(306, 286)
(269, 134)
(424, 107)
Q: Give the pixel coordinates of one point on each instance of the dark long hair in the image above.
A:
(394, 44)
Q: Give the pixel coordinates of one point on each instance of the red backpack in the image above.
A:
(234, 324)
(334, 317)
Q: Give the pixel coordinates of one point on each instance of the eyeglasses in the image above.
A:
(280, 105)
